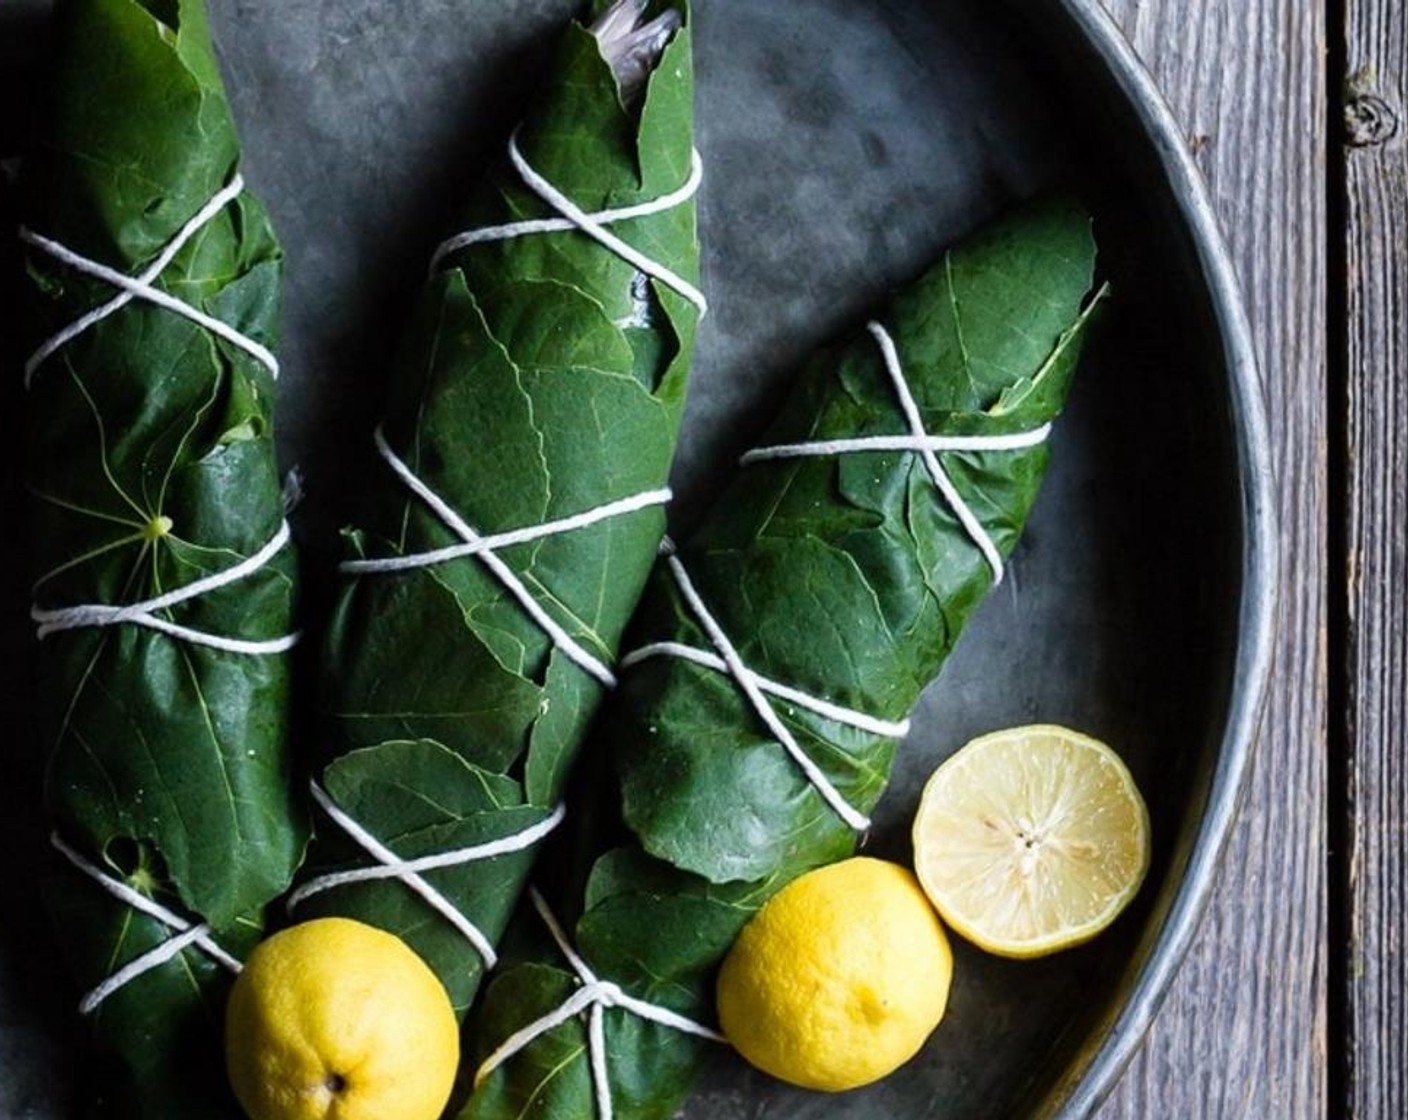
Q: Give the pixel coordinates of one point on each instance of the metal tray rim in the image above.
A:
(1083, 1089)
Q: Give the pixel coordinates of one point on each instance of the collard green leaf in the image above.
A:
(847, 577)
(542, 377)
(150, 464)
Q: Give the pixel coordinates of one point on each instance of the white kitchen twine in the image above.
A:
(407, 871)
(54, 620)
(593, 997)
(496, 541)
(593, 224)
(834, 712)
(187, 933)
(918, 441)
(479, 546)
(752, 687)
(141, 287)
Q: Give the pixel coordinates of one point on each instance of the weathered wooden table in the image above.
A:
(1292, 1002)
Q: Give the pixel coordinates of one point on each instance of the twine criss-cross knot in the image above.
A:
(594, 225)
(408, 871)
(921, 443)
(142, 286)
(186, 933)
(483, 547)
(592, 998)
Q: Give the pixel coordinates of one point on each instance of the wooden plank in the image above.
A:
(1242, 1034)
(1376, 402)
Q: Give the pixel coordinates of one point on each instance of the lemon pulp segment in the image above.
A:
(1031, 840)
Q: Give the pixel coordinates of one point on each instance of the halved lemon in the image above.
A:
(1031, 840)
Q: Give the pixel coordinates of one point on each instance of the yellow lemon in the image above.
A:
(1031, 840)
(335, 1020)
(839, 979)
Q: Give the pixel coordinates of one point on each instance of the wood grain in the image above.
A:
(1242, 1034)
(1376, 404)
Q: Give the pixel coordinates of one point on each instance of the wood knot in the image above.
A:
(1369, 121)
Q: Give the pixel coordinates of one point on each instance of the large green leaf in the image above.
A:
(542, 376)
(167, 761)
(847, 577)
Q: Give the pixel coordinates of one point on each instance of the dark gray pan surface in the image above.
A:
(845, 144)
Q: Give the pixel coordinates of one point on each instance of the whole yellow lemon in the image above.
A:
(839, 979)
(336, 1020)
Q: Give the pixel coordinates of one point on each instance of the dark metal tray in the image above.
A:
(845, 144)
